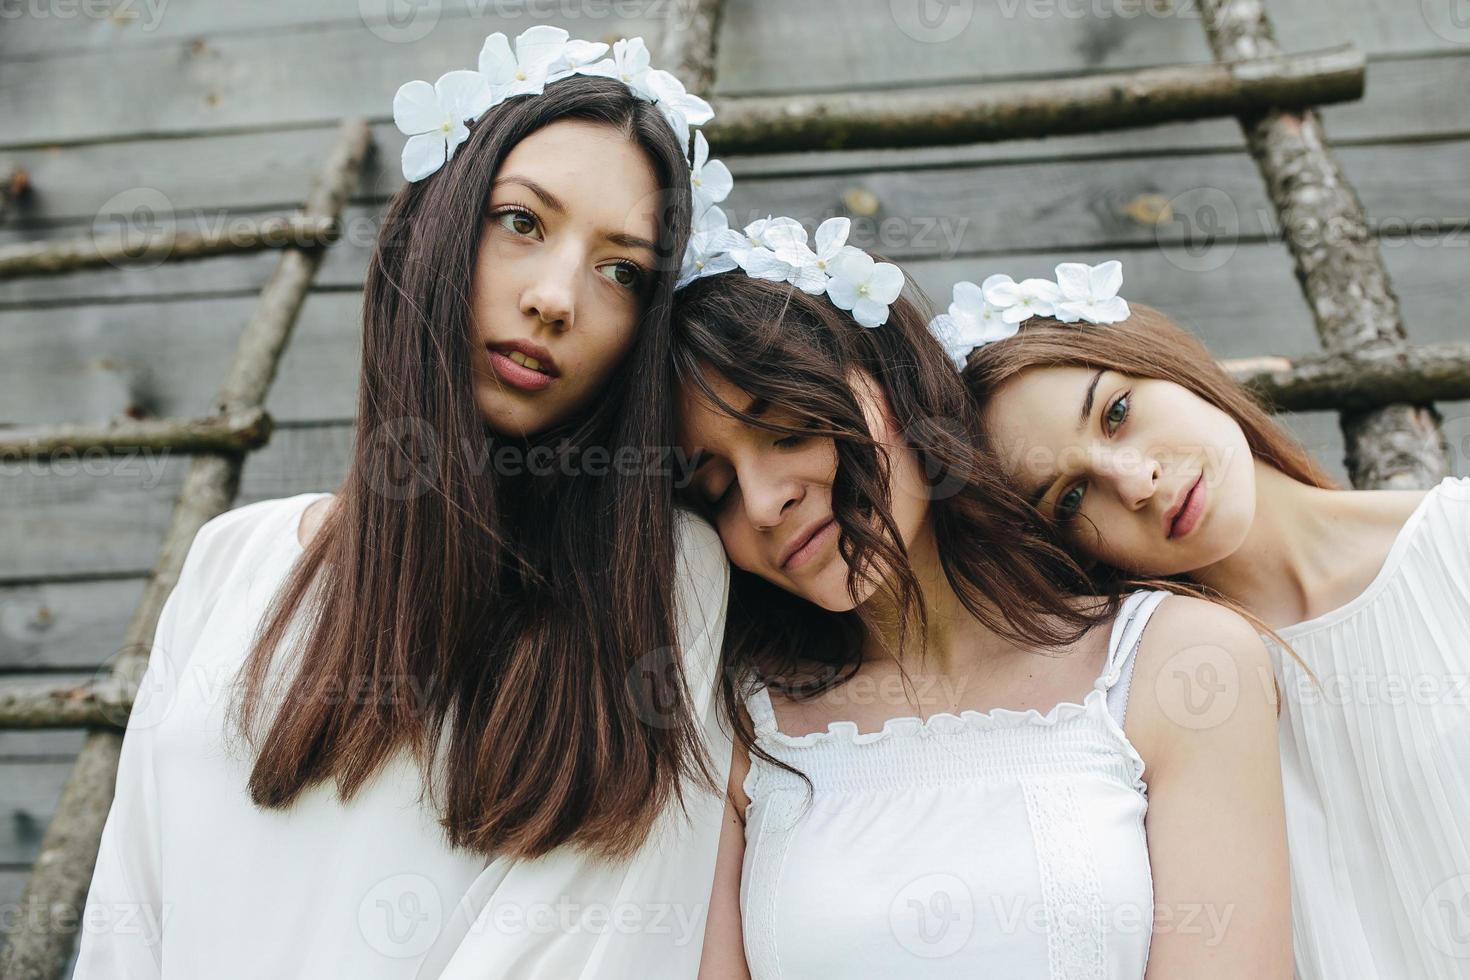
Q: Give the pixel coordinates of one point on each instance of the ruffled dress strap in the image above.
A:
(1123, 643)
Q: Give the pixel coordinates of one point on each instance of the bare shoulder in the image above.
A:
(312, 518)
(1202, 676)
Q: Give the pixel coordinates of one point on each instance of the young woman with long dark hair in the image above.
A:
(1145, 459)
(939, 768)
(453, 719)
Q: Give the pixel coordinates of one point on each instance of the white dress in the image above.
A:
(368, 890)
(1376, 762)
(1002, 844)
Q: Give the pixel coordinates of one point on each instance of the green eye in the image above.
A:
(1070, 503)
(1118, 411)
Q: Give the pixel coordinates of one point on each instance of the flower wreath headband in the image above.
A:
(433, 117)
(995, 309)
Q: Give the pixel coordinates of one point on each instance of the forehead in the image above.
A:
(1038, 408)
(559, 156)
(700, 421)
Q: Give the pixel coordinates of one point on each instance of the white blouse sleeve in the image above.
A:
(568, 916)
(121, 929)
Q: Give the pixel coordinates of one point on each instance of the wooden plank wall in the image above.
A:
(208, 111)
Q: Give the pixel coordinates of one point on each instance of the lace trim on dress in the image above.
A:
(1070, 888)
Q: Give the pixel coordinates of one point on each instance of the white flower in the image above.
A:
(629, 65)
(709, 179)
(1023, 300)
(756, 252)
(433, 118)
(811, 270)
(578, 57)
(678, 106)
(539, 49)
(708, 251)
(1091, 292)
(863, 286)
(971, 322)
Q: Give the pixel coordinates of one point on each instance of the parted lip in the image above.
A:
(1172, 514)
(798, 542)
(530, 349)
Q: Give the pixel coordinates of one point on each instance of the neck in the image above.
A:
(1289, 552)
(952, 636)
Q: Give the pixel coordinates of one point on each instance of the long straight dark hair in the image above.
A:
(800, 352)
(500, 624)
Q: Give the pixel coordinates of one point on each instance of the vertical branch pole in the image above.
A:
(1338, 263)
(690, 40)
(56, 891)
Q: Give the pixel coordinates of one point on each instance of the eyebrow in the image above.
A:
(1086, 412)
(1087, 399)
(757, 407)
(554, 203)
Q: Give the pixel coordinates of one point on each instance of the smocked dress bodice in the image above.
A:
(999, 844)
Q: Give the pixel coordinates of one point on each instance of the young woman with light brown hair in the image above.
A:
(1144, 459)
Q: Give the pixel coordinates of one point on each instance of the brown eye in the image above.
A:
(517, 221)
(625, 274)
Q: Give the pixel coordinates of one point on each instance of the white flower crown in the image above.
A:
(776, 249)
(995, 309)
(433, 117)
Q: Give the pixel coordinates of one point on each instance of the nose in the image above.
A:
(1133, 474)
(550, 295)
(768, 496)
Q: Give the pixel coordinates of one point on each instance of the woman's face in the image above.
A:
(567, 253)
(769, 495)
(1138, 473)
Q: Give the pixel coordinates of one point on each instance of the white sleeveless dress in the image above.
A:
(1376, 762)
(985, 844)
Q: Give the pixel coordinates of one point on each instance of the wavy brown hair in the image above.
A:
(800, 352)
(1148, 344)
(496, 626)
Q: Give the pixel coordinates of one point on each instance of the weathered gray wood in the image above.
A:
(150, 245)
(57, 887)
(1338, 263)
(205, 179)
(776, 46)
(40, 746)
(58, 626)
(238, 432)
(954, 115)
(1359, 380)
(242, 81)
(127, 23)
(32, 792)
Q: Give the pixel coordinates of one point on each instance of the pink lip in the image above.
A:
(1185, 514)
(517, 375)
(808, 544)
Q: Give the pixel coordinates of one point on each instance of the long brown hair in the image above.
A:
(1148, 344)
(800, 352)
(496, 617)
